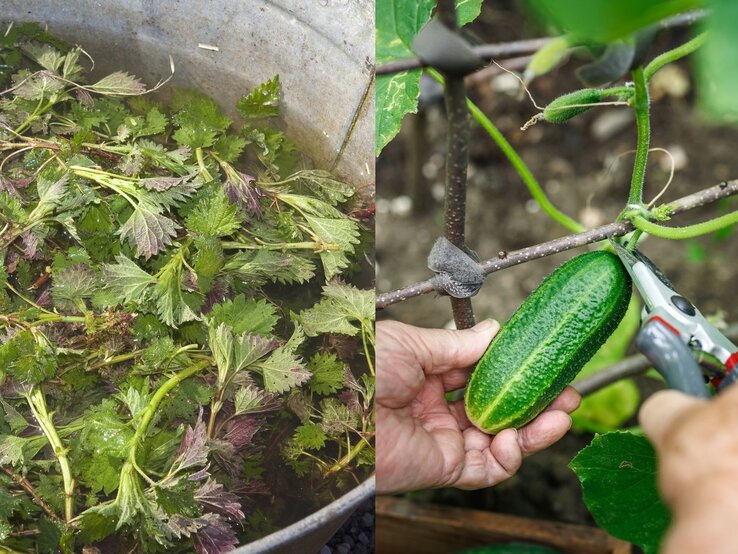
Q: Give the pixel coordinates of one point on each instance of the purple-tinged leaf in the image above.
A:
(217, 537)
(240, 430)
(214, 498)
(84, 98)
(240, 191)
(164, 183)
(193, 450)
(30, 244)
(182, 526)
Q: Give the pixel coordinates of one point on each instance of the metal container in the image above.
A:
(323, 51)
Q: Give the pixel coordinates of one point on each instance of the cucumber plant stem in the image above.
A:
(641, 106)
(457, 161)
(673, 55)
(517, 162)
(688, 232)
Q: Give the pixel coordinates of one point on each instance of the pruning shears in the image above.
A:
(675, 337)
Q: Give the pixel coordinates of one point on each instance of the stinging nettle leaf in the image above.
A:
(263, 101)
(118, 83)
(127, 279)
(245, 315)
(214, 216)
(284, 369)
(340, 307)
(148, 231)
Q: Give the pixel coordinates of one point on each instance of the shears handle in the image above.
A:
(672, 359)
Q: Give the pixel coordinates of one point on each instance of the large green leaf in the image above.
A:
(718, 59)
(618, 476)
(605, 20)
(612, 406)
(398, 21)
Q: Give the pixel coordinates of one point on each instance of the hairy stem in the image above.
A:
(688, 232)
(37, 402)
(675, 54)
(616, 229)
(641, 106)
(346, 459)
(159, 395)
(517, 162)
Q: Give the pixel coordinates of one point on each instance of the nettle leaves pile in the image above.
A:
(172, 328)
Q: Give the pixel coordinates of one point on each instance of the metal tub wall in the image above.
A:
(323, 51)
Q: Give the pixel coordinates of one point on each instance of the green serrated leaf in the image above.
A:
(618, 476)
(270, 265)
(245, 315)
(118, 83)
(250, 400)
(263, 101)
(170, 300)
(327, 373)
(309, 437)
(214, 216)
(341, 306)
(148, 231)
(72, 285)
(336, 417)
(284, 369)
(27, 359)
(127, 280)
(229, 147)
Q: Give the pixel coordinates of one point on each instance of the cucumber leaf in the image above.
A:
(398, 21)
(618, 476)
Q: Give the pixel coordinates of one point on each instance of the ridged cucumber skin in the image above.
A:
(547, 340)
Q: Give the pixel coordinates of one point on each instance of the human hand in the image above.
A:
(423, 440)
(697, 445)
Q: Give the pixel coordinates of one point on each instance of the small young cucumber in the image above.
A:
(547, 341)
(572, 104)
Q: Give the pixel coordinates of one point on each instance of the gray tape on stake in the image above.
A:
(445, 50)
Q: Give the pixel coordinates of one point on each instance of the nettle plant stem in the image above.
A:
(642, 108)
(37, 402)
(159, 395)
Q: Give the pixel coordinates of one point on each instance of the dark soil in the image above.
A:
(572, 164)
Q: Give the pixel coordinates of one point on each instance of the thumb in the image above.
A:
(663, 411)
(444, 349)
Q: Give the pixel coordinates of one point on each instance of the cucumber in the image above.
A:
(547, 340)
(572, 104)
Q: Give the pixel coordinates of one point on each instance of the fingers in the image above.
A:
(489, 460)
(663, 411)
(543, 431)
(441, 350)
(567, 401)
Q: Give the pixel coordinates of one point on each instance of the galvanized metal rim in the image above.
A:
(340, 508)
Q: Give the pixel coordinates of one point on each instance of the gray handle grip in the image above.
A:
(672, 359)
